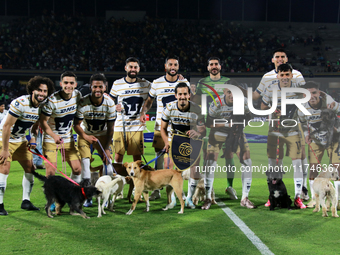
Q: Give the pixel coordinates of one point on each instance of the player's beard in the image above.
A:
(36, 97)
(213, 71)
(168, 71)
(132, 76)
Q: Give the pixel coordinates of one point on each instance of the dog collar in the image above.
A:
(82, 191)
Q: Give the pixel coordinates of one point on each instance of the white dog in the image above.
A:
(109, 186)
(324, 190)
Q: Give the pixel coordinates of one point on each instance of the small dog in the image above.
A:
(329, 121)
(97, 172)
(200, 195)
(60, 190)
(278, 195)
(325, 191)
(146, 181)
(108, 186)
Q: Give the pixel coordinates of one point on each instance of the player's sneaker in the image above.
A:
(2, 210)
(207, 204)
(156, 194)
(267, 204)
(298, 203)
(189, 203)
(245, 202)
(311, 204)
(304, 194)
(27, 205)
(231, 192)
(88, 203)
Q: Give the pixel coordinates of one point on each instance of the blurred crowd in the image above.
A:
(71, 43)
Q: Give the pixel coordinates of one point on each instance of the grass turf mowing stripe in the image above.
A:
(244, 228)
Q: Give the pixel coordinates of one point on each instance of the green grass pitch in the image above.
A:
(166, 232)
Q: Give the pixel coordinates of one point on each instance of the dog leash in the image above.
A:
(278, 142)
(63, 156)
(162, 152)
(311, 146)
(37, 152)
(108, 159)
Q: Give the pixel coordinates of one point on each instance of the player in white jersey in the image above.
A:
(185, 117)
(56, 119)
(163, 89)
(317, 139)
(130, 93)
(287, 133)
(279, 57)
(270, 78)
(23, 113)
(97, 112)
(3, 111)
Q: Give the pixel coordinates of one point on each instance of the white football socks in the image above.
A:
(27, 185)
(209, 177)
(85, 168)
(246, 178)
(192, 183)
(298, 177)
(3, 183)
(311, 189)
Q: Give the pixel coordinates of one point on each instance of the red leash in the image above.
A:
(45, 159)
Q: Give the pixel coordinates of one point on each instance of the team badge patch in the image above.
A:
(185, 151)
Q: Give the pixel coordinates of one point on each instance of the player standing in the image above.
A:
(163, 89)
(23, 113)
(56, 120)
(288, 134)
(130, 93)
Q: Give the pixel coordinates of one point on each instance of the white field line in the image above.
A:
(245, 229)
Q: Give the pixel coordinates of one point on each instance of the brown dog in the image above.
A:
(120, 169)
(146, 181)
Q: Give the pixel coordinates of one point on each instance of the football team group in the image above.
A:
(99, 119)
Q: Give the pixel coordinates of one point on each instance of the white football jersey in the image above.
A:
(61, 113)
(313, 121)
(164, 90)
(26, 115)
(183, 121)
(96, 117)
(290, 119)
(270, 79)
(132, 97)
(2, 115)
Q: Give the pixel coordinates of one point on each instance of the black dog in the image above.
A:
(60, 190)
(278, 195)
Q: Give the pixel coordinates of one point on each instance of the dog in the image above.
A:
(146, 181)
(329, 121)
(325, 191)
(199, 194)
(108, 186)
(278, 195)
(60, 190)
(97, 172)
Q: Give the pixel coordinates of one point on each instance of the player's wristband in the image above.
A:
(33, 144)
